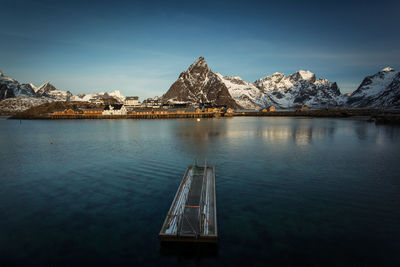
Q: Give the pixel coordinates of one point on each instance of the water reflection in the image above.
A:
(301, 132)
(281, 198)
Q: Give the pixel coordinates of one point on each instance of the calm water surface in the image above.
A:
(289, 190)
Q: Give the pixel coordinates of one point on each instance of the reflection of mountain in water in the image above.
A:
(198, 136)
(240, 135)
(301, 132)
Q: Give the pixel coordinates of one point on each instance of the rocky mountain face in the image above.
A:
(11, 88)
(16, 97)
(244, 93)
(381, 90)
(282, 91)
(48, 90)
(199, 85)
(301, 87)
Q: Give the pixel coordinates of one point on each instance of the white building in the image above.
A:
(115, 109)
(132, 101)
(152, 102)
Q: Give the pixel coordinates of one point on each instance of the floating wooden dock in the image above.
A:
(193, 214)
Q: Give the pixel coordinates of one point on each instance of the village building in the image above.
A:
(269, 109)
(68, 111)
(132, 101)
(303, 108)
(94, 111)
(97, 100)
(152, 103)
(115, 109)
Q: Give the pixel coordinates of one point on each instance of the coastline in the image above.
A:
(379, 116)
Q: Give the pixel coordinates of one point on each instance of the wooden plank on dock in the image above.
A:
(193, 215)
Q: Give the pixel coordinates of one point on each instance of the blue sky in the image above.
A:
(140, 48)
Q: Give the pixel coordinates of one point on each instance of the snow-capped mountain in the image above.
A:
(17, 97)
(12, 88)
(199, 85)
(244, 93)
(48, 90)
(379, 90)
(299, 88)
(99, 96)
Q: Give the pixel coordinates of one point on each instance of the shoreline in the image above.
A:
(378, 116)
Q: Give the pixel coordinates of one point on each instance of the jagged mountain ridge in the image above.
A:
(116, 95)
(48, 90)
(17, 97)
(12, 88)
(244, 93)
(302, 87)
(378, 91)
(299, 88)
(199, 85)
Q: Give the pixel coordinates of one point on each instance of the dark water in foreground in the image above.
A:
(289, 190)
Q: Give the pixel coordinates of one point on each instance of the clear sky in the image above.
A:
(140, 48)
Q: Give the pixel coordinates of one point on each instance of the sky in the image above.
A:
(141, 47)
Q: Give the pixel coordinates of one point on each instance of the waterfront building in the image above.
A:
(302, 108)
(115, 109)
(269, 109)
(132, 101)
(95, 111)
(152, 103)
(67, 111)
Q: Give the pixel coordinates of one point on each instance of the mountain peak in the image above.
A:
(387, 69)
(305, 75)
(199, 63)
(198, 86)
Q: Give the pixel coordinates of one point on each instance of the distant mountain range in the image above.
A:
(379, 90)
(199, 85)
(11, 88)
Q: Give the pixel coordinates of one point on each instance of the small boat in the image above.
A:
(193, 214)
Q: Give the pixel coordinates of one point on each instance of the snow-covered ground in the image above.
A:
(18, 104)
(88, 97)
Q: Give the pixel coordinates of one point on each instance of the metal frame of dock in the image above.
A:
(193, 213)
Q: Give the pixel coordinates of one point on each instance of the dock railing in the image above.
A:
(203, 204)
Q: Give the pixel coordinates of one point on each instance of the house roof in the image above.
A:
(115, 106)
(132, 98)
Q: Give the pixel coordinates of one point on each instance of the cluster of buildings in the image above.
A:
(122, 109)
(150, 106)
(133, 102)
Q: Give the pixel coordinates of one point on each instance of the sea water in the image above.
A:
(289, 190)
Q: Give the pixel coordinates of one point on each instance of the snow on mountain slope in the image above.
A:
(102, 95)
(275, 90)
(378, 90)
(12, 88)
(35, 89)
(48, 90)
(244, 93)
(199, 85)
(299, 88)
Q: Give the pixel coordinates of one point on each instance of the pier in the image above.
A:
(193, 214)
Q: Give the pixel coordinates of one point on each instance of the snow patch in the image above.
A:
(387, 69)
